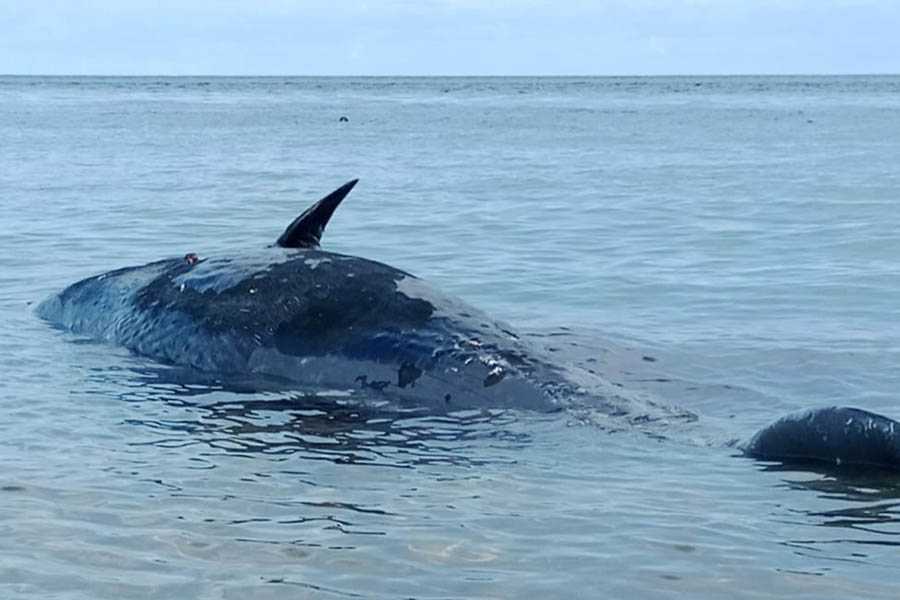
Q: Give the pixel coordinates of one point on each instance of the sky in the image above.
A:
(448, 37)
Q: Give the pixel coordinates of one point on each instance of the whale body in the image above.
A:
(297, 313)
(835, 435)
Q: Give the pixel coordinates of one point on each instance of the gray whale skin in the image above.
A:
(317, 318)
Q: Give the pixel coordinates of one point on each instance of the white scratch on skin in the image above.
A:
(312, 263)
(252, 290)
(181, 289)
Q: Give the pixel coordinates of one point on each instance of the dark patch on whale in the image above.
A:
(408, 374)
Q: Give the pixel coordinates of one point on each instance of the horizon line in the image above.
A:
(449, 76)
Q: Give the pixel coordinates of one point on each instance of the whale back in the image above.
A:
(835, 435)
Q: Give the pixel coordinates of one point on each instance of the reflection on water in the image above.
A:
(339, 427)
(265, 488)
(234, 417)
(851, 484)
(869, 519)
(869, 514)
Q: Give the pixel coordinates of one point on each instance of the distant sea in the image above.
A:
(726, 244)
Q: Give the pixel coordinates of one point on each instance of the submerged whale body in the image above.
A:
(297, 313)
(835, 435)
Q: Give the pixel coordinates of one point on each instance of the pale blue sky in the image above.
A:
(448, 37)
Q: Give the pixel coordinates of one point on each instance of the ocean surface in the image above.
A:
(729, 245)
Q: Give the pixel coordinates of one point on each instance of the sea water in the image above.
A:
(728, 245)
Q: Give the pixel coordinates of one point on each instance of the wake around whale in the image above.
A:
(293, 312)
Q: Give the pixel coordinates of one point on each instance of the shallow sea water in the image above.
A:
(728, 245)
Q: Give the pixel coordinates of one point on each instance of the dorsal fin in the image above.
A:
(306, 230)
